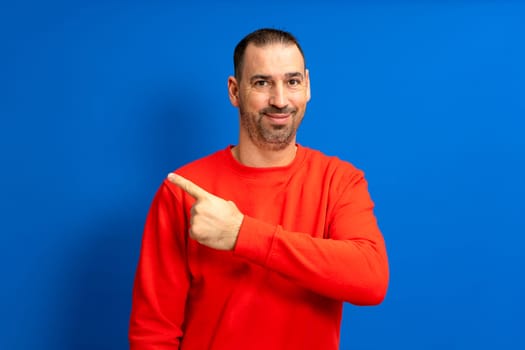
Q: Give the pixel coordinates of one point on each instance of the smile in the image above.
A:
(278, 118)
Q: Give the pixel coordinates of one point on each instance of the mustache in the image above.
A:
(275, 110)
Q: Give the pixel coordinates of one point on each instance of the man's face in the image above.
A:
(271, 95)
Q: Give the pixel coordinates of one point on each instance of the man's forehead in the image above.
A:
(266, 48)
(278, 55)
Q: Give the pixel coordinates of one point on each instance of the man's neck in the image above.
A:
(250, 155)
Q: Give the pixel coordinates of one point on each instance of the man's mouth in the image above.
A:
(278, 118)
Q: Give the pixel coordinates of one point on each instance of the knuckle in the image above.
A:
(195, 231)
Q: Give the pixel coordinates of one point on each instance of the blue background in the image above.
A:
(101, 99)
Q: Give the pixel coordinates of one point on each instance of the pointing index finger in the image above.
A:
(188, 186)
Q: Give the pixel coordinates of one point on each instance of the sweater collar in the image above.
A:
(253, 172)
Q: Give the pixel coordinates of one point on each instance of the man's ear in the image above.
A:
(233, 91)
(307, 79)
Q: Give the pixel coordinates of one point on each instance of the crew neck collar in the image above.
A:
(267, 171)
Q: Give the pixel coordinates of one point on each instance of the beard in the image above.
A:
(266, 135)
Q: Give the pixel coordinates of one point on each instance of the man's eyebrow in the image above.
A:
(260, 77)
(268, 77)
(294, 75)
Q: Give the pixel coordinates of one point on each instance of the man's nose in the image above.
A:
(278, 97)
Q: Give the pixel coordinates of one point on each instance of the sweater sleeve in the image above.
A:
(162, 278)
(349, 264)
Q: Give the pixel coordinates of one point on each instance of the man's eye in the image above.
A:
(294, 82)
(261, 83)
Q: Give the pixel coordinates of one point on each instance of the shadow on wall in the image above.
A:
(101, 266)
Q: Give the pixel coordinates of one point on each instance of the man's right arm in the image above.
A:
(162, 277)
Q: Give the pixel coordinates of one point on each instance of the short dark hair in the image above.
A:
(260, 38)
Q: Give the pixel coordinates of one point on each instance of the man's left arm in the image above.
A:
(350, 265)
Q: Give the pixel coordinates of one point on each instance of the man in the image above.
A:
(258, 245)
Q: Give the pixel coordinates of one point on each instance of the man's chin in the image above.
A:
(277, 144)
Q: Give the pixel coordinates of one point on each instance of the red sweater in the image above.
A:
(309, 241)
